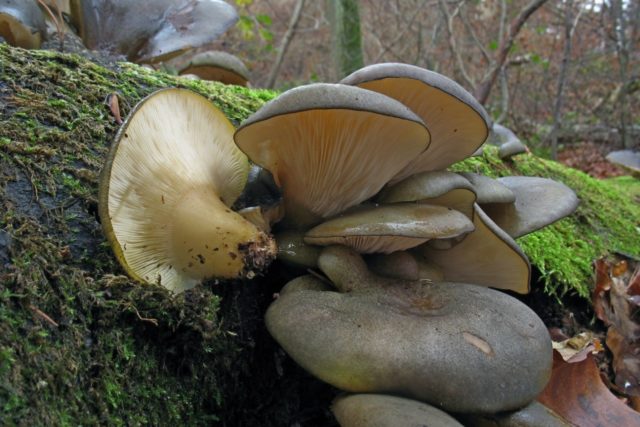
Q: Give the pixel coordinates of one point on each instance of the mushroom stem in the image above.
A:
(346, 269)
(216, 240)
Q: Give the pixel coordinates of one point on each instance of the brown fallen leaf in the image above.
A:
(577, 394)
(626, 362)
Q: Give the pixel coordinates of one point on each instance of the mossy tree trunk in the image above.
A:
(81, 344)
(346, 45)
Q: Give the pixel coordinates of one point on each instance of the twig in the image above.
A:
(42, 315)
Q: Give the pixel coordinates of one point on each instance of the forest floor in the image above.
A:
(590, 158)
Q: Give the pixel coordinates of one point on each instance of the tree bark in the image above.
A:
(344, 17)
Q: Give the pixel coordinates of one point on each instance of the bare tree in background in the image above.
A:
(344, 17)
(571, 19)
(284, 45)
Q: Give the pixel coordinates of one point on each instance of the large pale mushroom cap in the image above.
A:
(217, 66)
(456, 120)
(440, 188)
(331, 146)
(390, 228)
(150, 31)
(165, 194)
(487, 256)
(539, 202)
(22, 23)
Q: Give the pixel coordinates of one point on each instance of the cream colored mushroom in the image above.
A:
(457, 122)
(390, 228)
(488, 256)
(165, 194)
(440, 188)
(330, 147)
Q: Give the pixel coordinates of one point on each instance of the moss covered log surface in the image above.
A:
(606, 222)
(80, 344)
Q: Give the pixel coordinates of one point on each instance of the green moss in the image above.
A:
(606, 221)
(78, 344)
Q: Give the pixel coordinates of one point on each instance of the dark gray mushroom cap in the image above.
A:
(456, 120)
(511, 148)
(440, 188)
(390, 228)
(217, 66)
(462, 347)
(539, 202)
(22, 23)
(331, 146)
(150, 31)
(327, 96)
(489, 190)
(376, 410)
(628, 159)
(487, 256)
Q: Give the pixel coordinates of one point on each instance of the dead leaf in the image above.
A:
(577, 394)
(626, 362)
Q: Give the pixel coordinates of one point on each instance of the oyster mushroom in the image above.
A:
(538, 203)
(489, 190)
(440, 188)
(217, 66)
(463, 348)
(389, 228)
(150, 31)
(628, 159)
(165, 194)
(457, 122)
(330, 146)
(378, 410)
(487, 256)
(22, 23)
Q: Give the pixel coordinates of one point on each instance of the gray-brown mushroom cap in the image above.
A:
(487, 256)
(628, 159)
(539, 202)
(462, 347)
(22, 23)
(379, 410)
(217, 66)
(456, 120)
(331, 146)
(440, 188)
(390, 228)
(489, 190)
(150, 31)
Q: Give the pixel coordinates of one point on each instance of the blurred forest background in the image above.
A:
(554, 71)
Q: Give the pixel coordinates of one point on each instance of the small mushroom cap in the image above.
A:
(22, 23)
(539, 202)
(150, 31)
(456, 120)
(489, 190)
(217, 66)
(628, 159)
(440, 188)
(511, 148)
(379, 410)
(501, 135)
(390, 228)
(330, 146)
(488, 257)
(165, 194)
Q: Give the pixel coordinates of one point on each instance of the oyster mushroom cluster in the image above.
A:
(409, 249)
